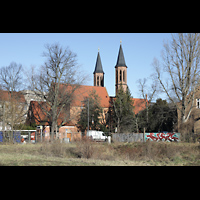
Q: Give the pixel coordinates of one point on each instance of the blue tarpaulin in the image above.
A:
(17, 137)
(1, 136)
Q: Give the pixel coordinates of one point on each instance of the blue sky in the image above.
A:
(139, 50)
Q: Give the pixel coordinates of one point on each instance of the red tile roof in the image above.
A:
(79, 95)
(83, 92)
(38, 115)
(140, 104)
(17, 96)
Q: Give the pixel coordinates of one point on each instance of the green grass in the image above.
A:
(86, 153)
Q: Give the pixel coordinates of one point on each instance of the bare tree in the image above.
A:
(11, 77)
(181, 64)
(56, 84)
(12, 100)
(147, 94)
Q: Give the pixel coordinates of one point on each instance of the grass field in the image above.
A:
(88, 153)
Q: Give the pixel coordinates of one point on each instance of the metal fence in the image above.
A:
(127, 137)
(143, 137)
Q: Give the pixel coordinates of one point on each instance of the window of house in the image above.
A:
(198, 103)
(120, 75)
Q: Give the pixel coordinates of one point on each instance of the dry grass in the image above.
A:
(89, 153)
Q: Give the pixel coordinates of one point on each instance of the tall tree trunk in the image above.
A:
(52, 130)
(118, 126)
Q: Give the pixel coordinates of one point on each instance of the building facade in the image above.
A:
(193, 122)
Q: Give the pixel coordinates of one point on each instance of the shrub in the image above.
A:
(148, 150)
(58, 149)
(85, 147)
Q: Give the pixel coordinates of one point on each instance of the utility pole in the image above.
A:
(40, 133)
(88, 114)
(3, 125)
(143, 134)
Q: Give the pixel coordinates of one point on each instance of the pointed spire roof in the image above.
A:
(120, 59)
(98, 66)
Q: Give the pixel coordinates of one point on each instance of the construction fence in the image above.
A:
(16, 136)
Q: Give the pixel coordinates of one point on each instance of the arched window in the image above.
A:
(198, 103)
(97, 80)
(94, 81)
(120, 75)
(116, 76)
(124, 75)
(102, 81)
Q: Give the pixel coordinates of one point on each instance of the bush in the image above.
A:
(189, 137)
(158, 150)
(148, 150)
(85, 147)
(58, 149)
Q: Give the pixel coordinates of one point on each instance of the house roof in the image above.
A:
(17, 96)
(83, 92)
(98, 66)
(38, 116)
(139, 104)
(120, 59)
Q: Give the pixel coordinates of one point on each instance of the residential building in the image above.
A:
(193, 122)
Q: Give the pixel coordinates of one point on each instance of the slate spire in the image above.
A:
(120, 71)
(98, 66)
(120, 59)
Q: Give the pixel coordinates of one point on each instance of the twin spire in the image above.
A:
(121, 65)
(120, 61)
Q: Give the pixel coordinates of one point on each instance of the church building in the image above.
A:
(120, 78)
(35, 116)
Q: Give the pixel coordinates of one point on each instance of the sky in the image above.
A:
(139, 51)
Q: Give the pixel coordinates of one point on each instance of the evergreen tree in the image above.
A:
(122, 112)
(95, 114)
(162, 117)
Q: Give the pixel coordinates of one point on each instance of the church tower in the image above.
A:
(120, 71)
(98, 73)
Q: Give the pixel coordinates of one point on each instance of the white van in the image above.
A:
(96, 135)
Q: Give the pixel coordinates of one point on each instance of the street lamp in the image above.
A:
(88, 114)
